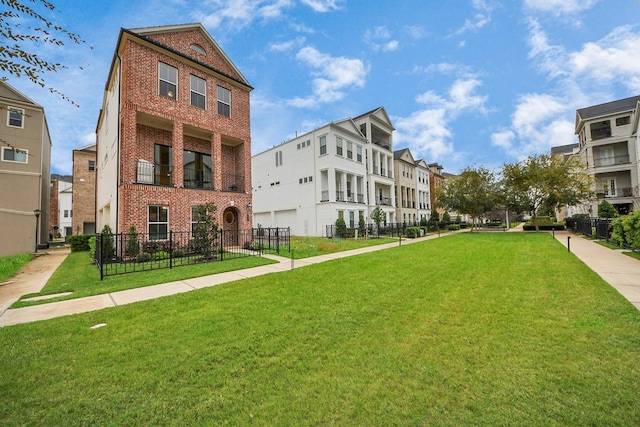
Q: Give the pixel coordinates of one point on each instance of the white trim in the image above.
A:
(26, 155)
(11, 109)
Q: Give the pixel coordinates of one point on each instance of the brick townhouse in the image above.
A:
(84, 190)
(173, 133)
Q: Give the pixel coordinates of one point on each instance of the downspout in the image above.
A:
(118, 180)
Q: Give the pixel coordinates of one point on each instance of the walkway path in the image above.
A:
(621, 271)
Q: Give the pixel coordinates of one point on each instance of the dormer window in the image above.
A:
(198, 48)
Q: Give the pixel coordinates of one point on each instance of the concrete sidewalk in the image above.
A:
(97, 302)
(621, 271)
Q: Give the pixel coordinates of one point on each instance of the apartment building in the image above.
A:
(436, 180)
(84, 190)
(413, 195)
(173, 133)
(25, 173)
(608, 144)
(343, 169)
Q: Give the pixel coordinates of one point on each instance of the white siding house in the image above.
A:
(332, 172)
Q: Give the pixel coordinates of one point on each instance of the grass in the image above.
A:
(304, 247)
(468, 330)
(615, 246)
(78, 275)
(11, 265)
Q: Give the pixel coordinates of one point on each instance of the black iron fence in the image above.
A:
(121, 253)
(599, 228)
(384, 230)
(272, 239)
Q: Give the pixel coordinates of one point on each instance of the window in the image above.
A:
(158, 222)
(197, 170)
(163, 165)
(323, 145)
(609, 187)
(601, 130)
(278, 158)
(224, 102)
(198, 92)
(15, 117)
(92, 165)
(349, 150)
(168, 81)
(10, 154)
(198, 48)
(359, 153)
(338, 146)
(66, 213)
(621, 121)
(352, 219)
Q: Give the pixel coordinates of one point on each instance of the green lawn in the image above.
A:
(11, 265)
(304, 247)
(472, 329)
(79, 275)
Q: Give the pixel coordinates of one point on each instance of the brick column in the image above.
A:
(177, 142)
(216, 160)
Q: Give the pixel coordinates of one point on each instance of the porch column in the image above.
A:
(177, 141)
(216, 160)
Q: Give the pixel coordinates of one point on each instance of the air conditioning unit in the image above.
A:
(145, 172)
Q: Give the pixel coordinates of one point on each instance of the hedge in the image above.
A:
(79, 242)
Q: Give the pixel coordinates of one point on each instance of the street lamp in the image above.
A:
(36, 212)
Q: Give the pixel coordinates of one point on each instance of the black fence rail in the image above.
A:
(130, 252)
(272, 239)
(600, 228)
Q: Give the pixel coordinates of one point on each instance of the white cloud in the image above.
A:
(427, 132)
(583, 77)
(239, 14)
(379, 39)
(286, 46)
(559, 7)
(479, 20)
(332, 76)
(323, 5)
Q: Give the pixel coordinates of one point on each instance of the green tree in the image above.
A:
(362, 226)
(606, 210)
(108, 244)
(132, 247)
(474, 192)
(205, 230)
(341, 228)
(544, 180)
(378, 216)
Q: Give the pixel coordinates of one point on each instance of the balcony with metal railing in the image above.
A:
(201, 179)
(611, 160)
(233, 183)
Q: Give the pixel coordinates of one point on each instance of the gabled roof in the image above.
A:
(147, 33)
(604, 110)
(402, 154)
(379, 113)
(9, 93)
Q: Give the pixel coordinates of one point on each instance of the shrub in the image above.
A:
(92, 248)
(79, 242)
(606, 210)
(454, 226)
(132, 248)
(631, 224)
(341, 228)
(617, 230)
(143, 257)
(178, 253)
(108, 244)
(413, 232)
(545, 227)
(160, 255)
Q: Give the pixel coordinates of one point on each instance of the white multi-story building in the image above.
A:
(343, 169)
(609, 146)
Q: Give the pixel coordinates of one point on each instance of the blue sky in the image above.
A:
(465, 82)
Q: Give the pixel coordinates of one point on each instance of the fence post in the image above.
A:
(221, 237)
(569, 243)
(170, 249)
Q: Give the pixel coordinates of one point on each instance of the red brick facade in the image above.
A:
(148, 119)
